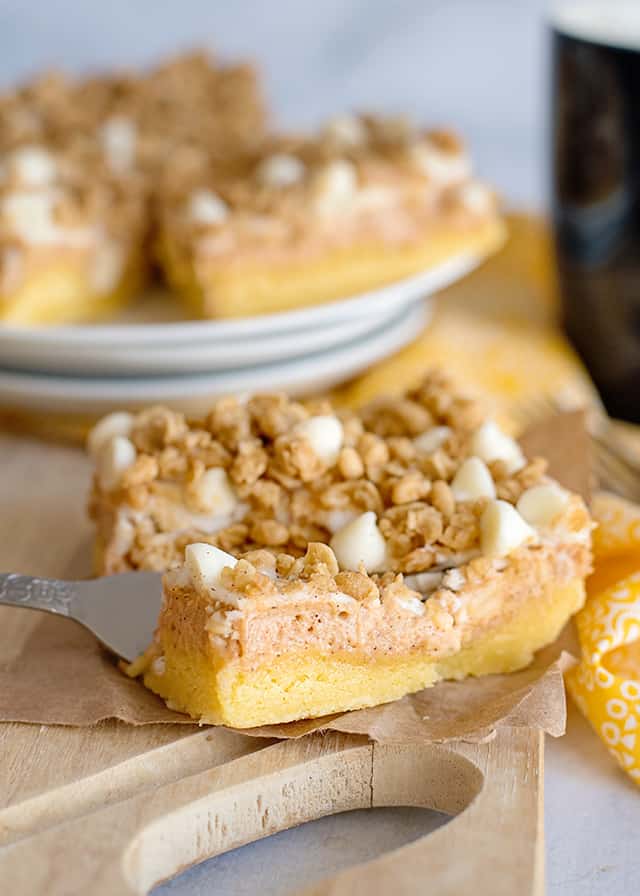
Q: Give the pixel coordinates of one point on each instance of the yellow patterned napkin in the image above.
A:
(606, 682)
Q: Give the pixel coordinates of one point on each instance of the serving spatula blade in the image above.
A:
(121, 610)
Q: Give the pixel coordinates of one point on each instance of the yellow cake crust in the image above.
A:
(62, 293)
(80, 164)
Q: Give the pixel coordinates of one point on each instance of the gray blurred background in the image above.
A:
(479, 65)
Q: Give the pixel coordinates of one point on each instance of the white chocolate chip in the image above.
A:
(34, 166)
(476, 197)
(541, 504)
(120, 423)
(123, 534)
(444, 168)
(432, 439)
(336, 187)
(205, 563)
(473, 480)
(118, 137)
(30, 216)
(114, 458)
(281, 170)
(159, 666)
(454, 579)
(215, 492)
(348, 131)
(424, 582)
(206, 207)
(337, 519)
(325, 434)
(490, 443)
(360, 541)
(412, 604)
(108, 265)
(502, 529)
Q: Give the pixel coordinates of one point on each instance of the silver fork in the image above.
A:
(121, 611)
(613, 465)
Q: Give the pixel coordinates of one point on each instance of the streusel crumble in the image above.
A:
(79, 163)
(317, 562)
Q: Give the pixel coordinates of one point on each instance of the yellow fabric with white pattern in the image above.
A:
(606, 682)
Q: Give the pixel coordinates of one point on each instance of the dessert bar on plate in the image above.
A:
(99, 177)
(317, 562)
(366, 202)
(79, 160)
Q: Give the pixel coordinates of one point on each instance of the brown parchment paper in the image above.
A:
(61, 675)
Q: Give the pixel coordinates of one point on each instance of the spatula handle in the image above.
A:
(492, 848)
(52, 595)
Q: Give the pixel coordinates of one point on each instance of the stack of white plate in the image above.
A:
(92, 369)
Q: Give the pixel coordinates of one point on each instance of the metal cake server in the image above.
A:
(121, 610)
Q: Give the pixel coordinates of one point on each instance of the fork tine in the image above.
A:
(621, 453)
(605, 478)
(615, 473)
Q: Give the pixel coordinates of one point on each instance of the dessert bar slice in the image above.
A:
(300, 221)
(318, 562)
(265, 640)
(79, 163)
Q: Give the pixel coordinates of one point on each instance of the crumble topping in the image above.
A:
(134, 118)
(272, 475)
(79, 158)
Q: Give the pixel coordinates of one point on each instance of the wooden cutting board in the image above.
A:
(114, 809)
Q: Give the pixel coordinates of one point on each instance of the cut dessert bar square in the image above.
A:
(79, 161)
(317, 562)
(301, 221)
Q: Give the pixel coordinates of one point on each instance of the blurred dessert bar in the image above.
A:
(319, 562)
(78, 163)
(102, 177)
(300, 221)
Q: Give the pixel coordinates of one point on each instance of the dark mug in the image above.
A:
(596, 190)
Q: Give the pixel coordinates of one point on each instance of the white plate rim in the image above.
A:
(116, 360)
(355, 356)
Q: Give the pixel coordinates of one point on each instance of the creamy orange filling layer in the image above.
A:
(305, 615)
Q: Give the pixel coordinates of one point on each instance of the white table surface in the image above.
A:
(592, 819)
